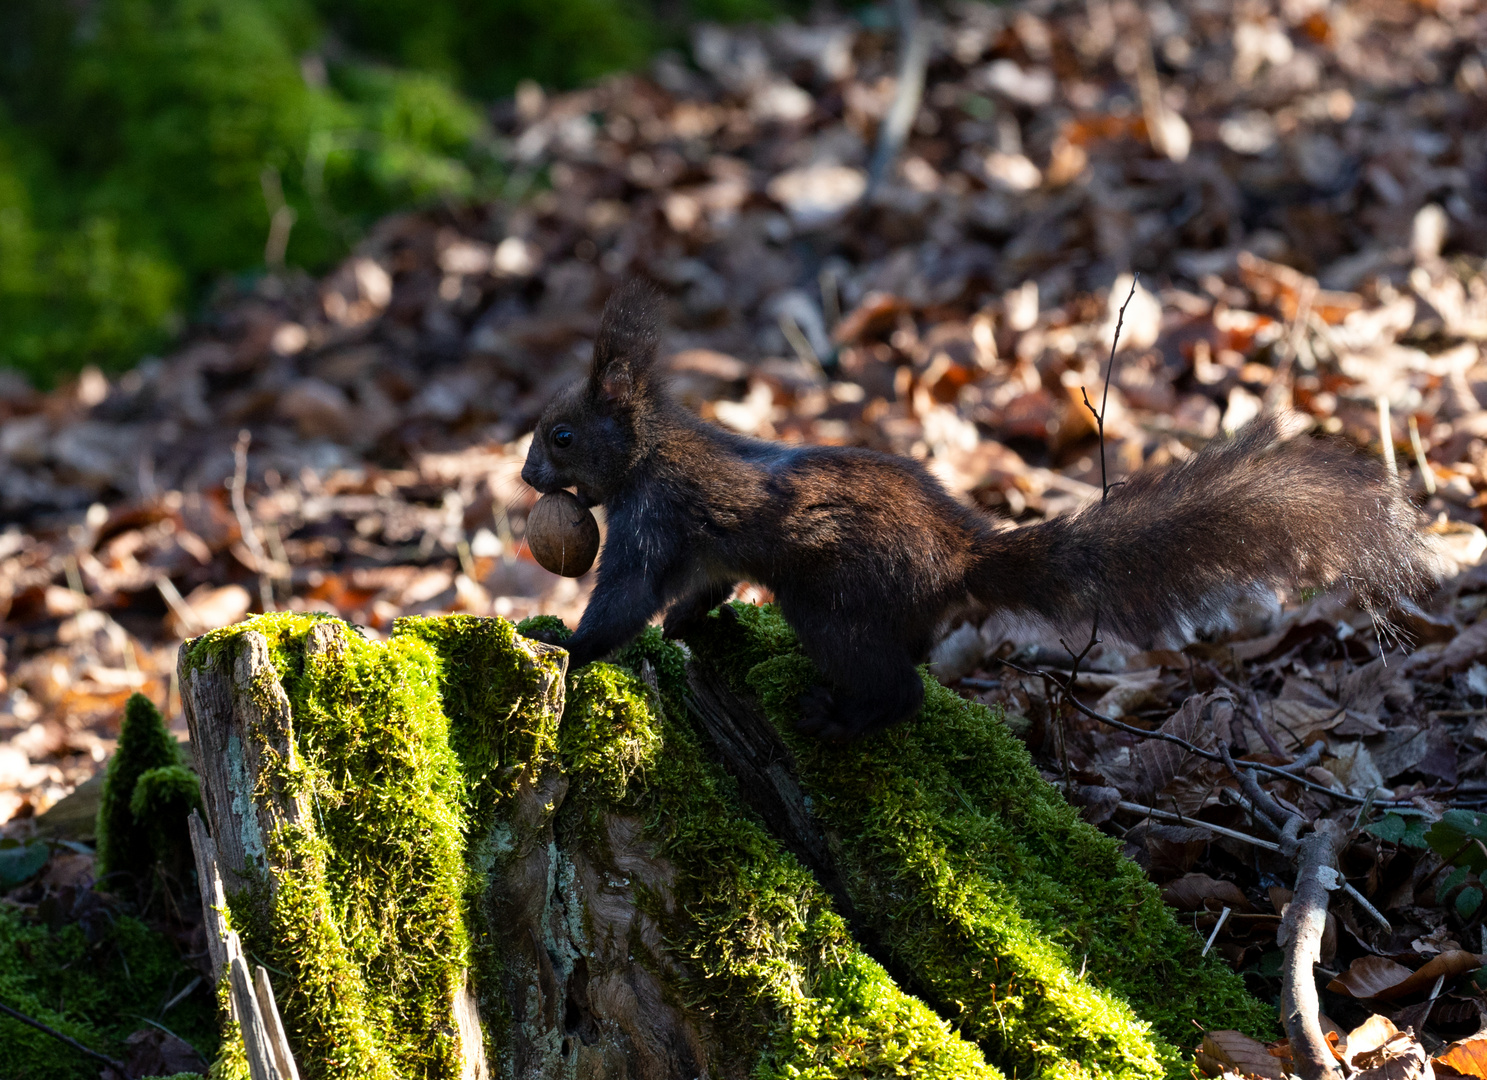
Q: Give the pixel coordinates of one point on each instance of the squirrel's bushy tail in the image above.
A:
(1169, 551)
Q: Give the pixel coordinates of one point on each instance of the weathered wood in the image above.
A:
(258, 1014)
(250, 1019)
(471, 1036)
(213, 902)
(238, 713)
(274, 1027)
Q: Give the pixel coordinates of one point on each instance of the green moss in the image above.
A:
(546, 625)
(127, 839)
(767, 960)
(96, 983)
(609, 733)
(1024, 924)
(489, 677)
(162, 801)
(400, 748)
(410, 761)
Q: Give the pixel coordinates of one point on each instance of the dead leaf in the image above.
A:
(1369, 976)
(1468, 1057)
(1236, 1052)
(1448, 965)
(1191, 892)
(1367, 1037)
(1382, 979)
(1155, 763)
(1302, 709)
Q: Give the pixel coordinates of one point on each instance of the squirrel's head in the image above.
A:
(589, 435)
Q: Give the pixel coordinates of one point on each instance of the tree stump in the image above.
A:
(452, 857)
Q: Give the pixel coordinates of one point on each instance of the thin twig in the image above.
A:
(1207, 755)
(1427, 474)
(912, 62)
(190, 624)
(245, 520)
(117, 1066)
(1386, 435)
(1180, 819)
(1094, 623)
(1120, 320)
(1223, 918)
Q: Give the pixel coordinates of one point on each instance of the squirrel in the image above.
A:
(868, 555)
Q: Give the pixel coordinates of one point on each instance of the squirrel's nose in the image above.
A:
(536, 476)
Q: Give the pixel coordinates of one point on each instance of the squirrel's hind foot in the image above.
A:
(835, 716)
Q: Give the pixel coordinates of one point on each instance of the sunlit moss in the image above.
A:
(401, 749)
(767, 958)
(137, 825)
(1023, 926)
(1022, 923)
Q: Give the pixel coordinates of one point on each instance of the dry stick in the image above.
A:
(1301, 937)
(1223, 918)
(913, 60)
(1301, 927)
(190, 624)
(1386, 435)
(245, 520)
(1254, 841)
(1094, 623)
(1427, 474)
(1182, 819)
(117, 1066)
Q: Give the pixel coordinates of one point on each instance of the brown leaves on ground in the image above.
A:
(1300, 187)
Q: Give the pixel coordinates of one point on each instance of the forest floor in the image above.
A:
(1303, 190)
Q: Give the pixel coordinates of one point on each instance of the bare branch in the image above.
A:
(16, 1014)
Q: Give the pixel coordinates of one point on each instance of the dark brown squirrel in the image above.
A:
(868, 555)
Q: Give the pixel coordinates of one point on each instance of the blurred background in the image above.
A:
(145, 146)
(285, 283)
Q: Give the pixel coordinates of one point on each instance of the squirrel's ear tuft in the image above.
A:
(629, 334)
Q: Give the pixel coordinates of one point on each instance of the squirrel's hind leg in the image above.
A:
(687, 613)
(866, 686)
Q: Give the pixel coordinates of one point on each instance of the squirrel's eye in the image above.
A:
(562, 438)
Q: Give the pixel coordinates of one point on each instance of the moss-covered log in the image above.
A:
(449, 817)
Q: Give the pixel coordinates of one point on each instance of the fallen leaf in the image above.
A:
(1369, 976)
(1367, 1037)
(1468, 1057)
(1234, 1051)
(1191, 891)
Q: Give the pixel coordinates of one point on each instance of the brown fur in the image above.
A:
(867, 553)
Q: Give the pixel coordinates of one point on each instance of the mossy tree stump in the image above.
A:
(459, 858)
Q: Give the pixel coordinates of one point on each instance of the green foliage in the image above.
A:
(1398, 829)
(1044, 944)
(97, 985)
(145, 144)
(141, 145)
(1457, 838)
(20, 862)
(143, 820)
